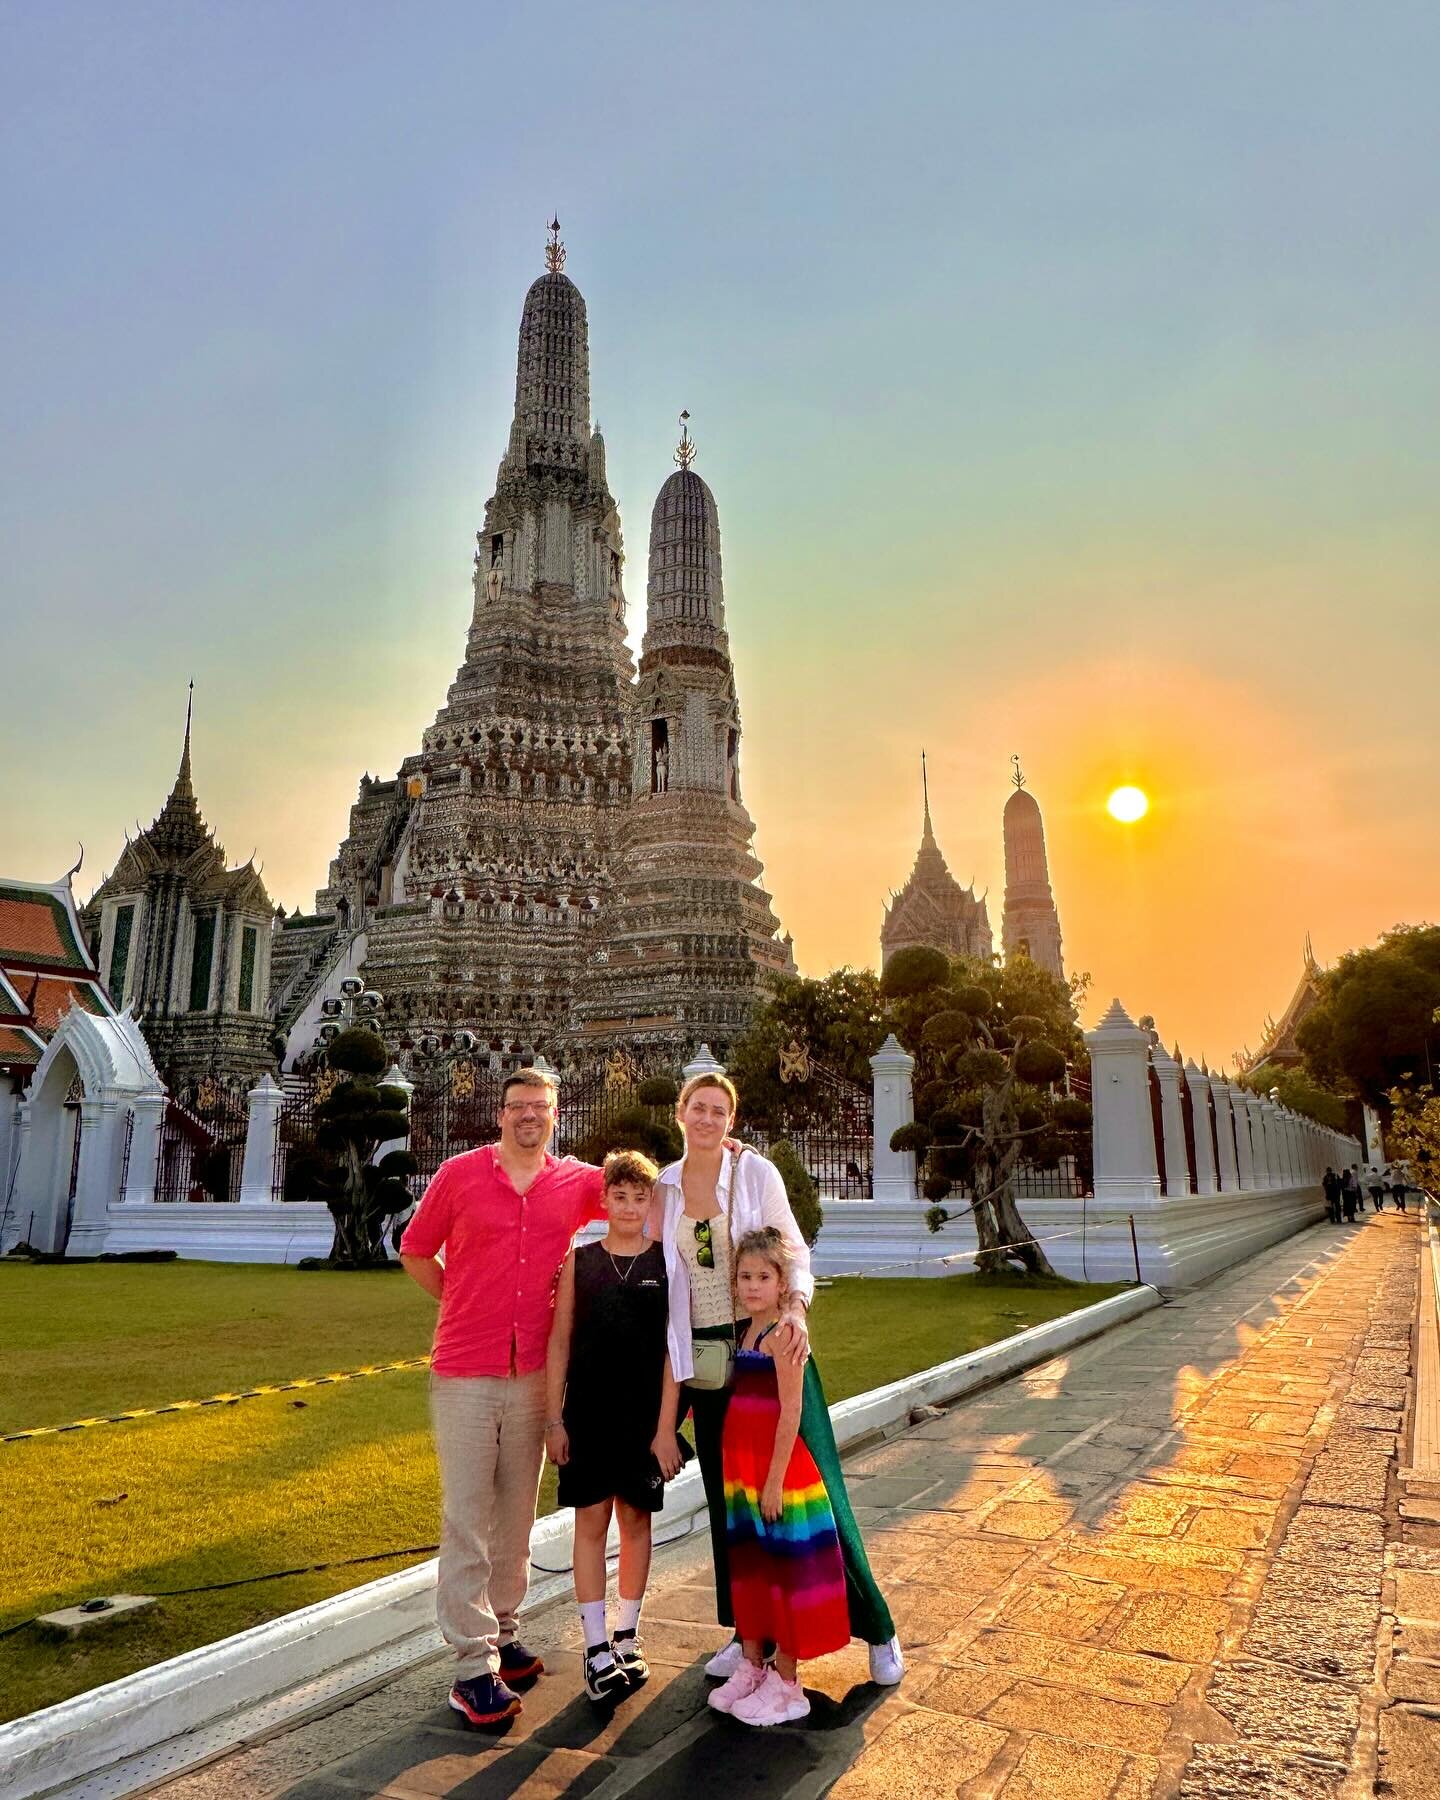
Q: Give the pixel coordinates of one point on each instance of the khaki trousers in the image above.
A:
(490, 1444)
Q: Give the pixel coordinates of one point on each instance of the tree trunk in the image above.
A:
(997, 1218)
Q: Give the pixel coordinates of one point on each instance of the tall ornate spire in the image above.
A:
(685, 596)
(1031, 925)
(551, 428)
(932, 908)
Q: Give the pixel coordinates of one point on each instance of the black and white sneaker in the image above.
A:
(604, 1678)
(631, 1658)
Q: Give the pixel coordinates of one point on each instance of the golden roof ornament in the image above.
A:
(685, 449)
(1017, 778)
(794, 1062)
(554, 250)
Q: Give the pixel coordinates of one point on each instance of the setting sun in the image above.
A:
(1127, 804)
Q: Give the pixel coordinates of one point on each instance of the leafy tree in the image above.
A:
(800, 1189)
(840, 1020)
(990, 1046)
(1374, 1027)
(1414, 1133)
(351, 1123)
(1300, 1092)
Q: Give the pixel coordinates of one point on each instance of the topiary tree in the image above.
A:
(990, 1046)
(800, 1189)
(353, 1121)
(647, 1124)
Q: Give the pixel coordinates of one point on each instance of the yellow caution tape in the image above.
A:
(278, 1387)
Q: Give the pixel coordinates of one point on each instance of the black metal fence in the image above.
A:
(202, 1142)
(831, 1125)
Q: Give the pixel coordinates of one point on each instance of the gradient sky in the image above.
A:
(1068, 377)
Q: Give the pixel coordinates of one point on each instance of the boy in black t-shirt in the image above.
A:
(606, 1374)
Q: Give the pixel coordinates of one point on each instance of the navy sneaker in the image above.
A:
(605, 1680)
(625, 1648)
(519, 1664)
(484, 1701)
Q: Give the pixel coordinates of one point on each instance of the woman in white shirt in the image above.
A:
(704, 1205)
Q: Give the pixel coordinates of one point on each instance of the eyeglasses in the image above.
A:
(527, 1106)
(704, 1244)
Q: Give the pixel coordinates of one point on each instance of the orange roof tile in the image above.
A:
(53, 997)
(34, 927)
(17, 1049)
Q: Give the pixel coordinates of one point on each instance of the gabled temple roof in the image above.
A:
(1279, 1044)
(44, 967)
(179, 842)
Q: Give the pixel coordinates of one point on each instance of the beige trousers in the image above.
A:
(490, 1444)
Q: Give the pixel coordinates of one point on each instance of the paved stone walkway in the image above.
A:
(1153, 1567)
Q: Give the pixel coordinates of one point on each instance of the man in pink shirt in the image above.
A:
(504, 1216)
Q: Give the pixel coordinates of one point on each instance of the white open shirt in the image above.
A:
(751, 1196)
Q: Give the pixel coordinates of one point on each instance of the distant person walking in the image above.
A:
(1377, 1191)
(1399, 1187)
(1330, 1183)
(1349, 1194)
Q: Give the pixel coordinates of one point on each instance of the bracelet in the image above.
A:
(550, 1424)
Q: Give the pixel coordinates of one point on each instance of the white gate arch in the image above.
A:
(116, 1072)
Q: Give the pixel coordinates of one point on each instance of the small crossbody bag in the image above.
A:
(712, 1362)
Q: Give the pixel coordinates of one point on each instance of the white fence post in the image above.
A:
(704, 1064)
(1199, 1086)
(892, 1068)
(149, 1115)
(1126, 1172)
(1229, 1170)
(262, 1130)
(1172, 1121)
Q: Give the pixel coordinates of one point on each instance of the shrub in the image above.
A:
(800, 1189)
(1072, 1114)
(1039, 1064)
(976, 1001)
(914, 971)
(914, 1137)
(936, 1187)
(657, 1090)
(946, 1030)
(982, 1068)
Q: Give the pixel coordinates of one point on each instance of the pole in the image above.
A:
(1135, 1247)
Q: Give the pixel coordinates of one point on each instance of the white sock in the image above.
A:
(628, 1618)
(592, 1623)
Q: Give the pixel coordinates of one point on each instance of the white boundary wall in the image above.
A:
(1255, 1179)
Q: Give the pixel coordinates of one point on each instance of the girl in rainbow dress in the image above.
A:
(799, 1577)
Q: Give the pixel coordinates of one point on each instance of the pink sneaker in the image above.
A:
(740, 1686)
(775, 1701)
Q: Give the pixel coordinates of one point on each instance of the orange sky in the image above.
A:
(1070, 391)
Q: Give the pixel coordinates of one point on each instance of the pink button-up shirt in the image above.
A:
(503, 1253)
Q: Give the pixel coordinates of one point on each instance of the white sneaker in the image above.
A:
(725, 1662)
(774, 1702)
(887, 1665)
(740, 1686)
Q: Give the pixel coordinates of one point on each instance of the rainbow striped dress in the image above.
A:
(787, 1577)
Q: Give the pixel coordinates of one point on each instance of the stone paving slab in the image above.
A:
(1156, 1567)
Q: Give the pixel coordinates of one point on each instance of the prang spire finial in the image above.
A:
(685, 449)
(925, 792)
(182, 780)
(555, 250)
(1017, 778)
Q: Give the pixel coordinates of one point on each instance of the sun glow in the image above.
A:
(1127, 804)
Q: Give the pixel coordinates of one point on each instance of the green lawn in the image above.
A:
(287, 1480)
